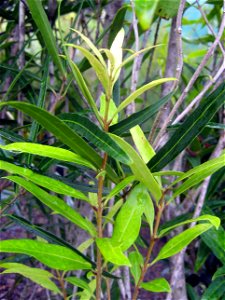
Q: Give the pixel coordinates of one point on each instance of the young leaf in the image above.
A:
(149, 211)
(111, 109)
(63, 133)
(78, 282)
(53, 256)
(56, 204)
(180, 241)
(112, 251)
(100, 70)
(140, 91)
(159, 285)
(40, 18)
(44, 181)
(137, 262)
(142, 144)
(191, 127)
(120, 186)
(39, 276)
(139, 117)
(128, 220)
(215, 221)
(139, 168)
(48, 151)
(95, 135)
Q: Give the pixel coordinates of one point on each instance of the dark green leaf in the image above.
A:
(215, 290)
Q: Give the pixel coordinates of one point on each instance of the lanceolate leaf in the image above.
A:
(215, 221)
(41, 20)
(219, 272)
(137, 262)
(215, 291)
(180, 241)
(120, 186)
(53, 256)
(128, 220)
(44, 181)
(112, 252)
(39, 276)
(141, 90)
(63, 133)
(56, 204)
(96, 136)
(158, 285)
(140, 169)
(78, 282)
(47, 151)
(193, 125)
(139, 117)
(38, 231)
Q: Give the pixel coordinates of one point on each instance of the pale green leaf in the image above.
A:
(149, 211)
(120, 186)
(78, 282)
(53, 256)
(180, 241)
(39, 276)
(159, 285)
(48, 151)
(113, 210)
(111, 109)
(128, 220)
(44, 181)
(139, 169)
(137, 262)
(112, 252)
(141, 90)
(56, 204)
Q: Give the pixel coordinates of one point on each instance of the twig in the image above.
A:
(192, 80)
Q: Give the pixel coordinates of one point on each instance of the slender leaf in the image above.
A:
(140, 169)
(63, 133)
(78, 282)
(44, 181)
(215, 221)
(202, 255)
(149, 211)
(41, 20)
(53, 256)
(142, 144)
(56, 204)
(112, 252)
(141, 90)
(113, 210)
(215, 290)
(191, 127)
(128, 220)
(137, 262)
(39, 276)
(48, 151)
(139, 117)
(180, 241)
(158, 285)
(220, 272)
(95, 135)
(120, 186)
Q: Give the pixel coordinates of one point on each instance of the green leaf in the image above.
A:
(140, 169)
(202, 255)
(167, 9)
(56, 204)
(40, 18)
(149, 211)
(11, 136)
(215, 290)
(78, 282)
(53, 256)
(100, 70)
(139, 117)
(44, 181)
(191, 128)
(63, 133)
(38, 231)
(112, 251)
(142, 144)
(180, 241)
(215, 221)
(48, 151)
(39, 276)
(111, 109)
(95, 135)
(128, 220)
(141, 90)
(137, 262)
(120, 186)
(220, 272)
(145, 12)
(159, 285)
(113, 210)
